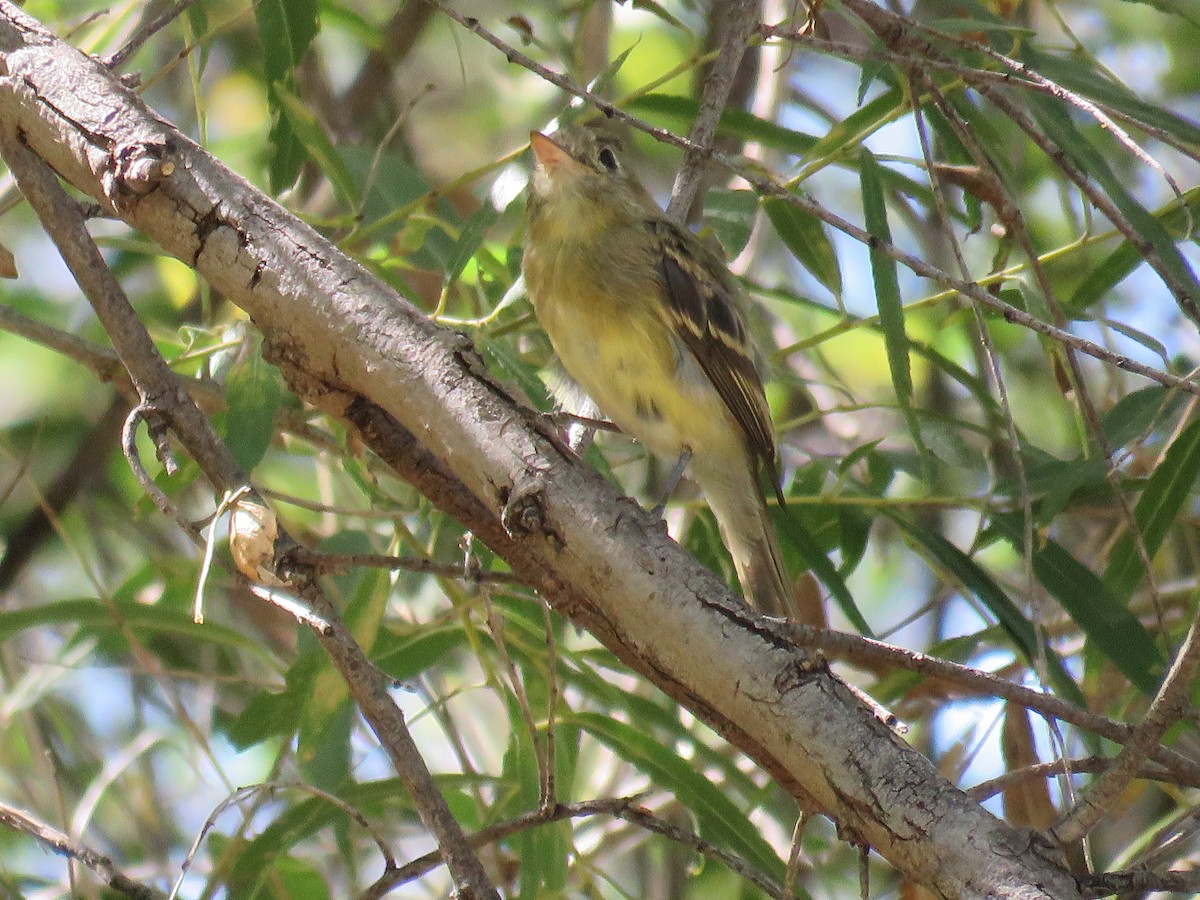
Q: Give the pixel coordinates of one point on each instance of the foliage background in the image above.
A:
(933, 514)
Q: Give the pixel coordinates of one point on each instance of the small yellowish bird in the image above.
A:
(646, 319)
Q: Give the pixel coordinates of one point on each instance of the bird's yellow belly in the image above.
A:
(641, 377)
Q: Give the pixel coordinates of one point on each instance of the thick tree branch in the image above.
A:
(422, 398)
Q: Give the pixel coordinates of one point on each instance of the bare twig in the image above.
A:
(627, 808)
(147, 31)
(1140, 882)
(1168, 706)
(342, 562)
(68, 846)
(102, 361)
(134, 460)
(896, 32)
(268, 789)
(1088, 764)
(83, 468)
(857, 649)
(737, 20)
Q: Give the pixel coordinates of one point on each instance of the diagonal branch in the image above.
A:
(422, 398)
(736, 21)
(63, 843)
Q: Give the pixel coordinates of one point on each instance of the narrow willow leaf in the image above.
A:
(320, 149)
(1076, 72)
(1109, 625)
(253, 395)
(1170, 487)
(846, 136)
(1176, 219)
(719, 820)
(804, 235)
(887, 295)
(1059, 128)
(681, 112)
(470, 239)
(794, 533)
(731, 215)
(1014, 622)
(285, 30)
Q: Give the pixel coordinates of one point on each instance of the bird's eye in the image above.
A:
(608, 159)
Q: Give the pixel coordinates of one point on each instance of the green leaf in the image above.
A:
(887, 295)
(991, 595)
(1169, 488)
(719, 820)
(287, 154)
(1114, 268)
(1076, 72)
(731, 215)
(1135, 414)
(681, 112)
(469, 240)
(1054, 120)
(1104, 618)
(309, 133)
(135, 617)
(276, 713)
(804, 235)
(285, 30)
(655, 715)
(405, 657)
(848, 133)
(1102, 615)
(1185, 9)
(795, 533)
(254, 396)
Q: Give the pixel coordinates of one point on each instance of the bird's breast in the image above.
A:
(607, 330)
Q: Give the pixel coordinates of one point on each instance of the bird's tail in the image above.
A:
(737, 502)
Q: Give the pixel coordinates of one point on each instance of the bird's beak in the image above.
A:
(550, 155)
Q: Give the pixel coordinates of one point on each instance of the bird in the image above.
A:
(648, 322)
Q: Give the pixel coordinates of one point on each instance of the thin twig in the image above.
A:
(551, 792)
(496, 627)
(896, 32)
(1171, 701)
(1139, 882)
(339, 563)
(145, 32)
(269, 789)
(103, 362)
(133, 459)
(627, 808)
(1087, 764)
(73, 849)
(736, 22)
(969, 73)
(864, 651)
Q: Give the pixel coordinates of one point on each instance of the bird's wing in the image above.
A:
(702, 308)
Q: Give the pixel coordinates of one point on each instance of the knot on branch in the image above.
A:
(135, 168)
(523, 512)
